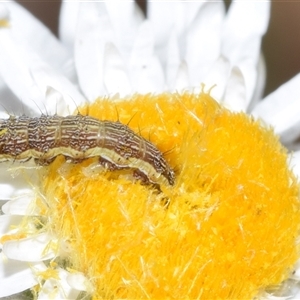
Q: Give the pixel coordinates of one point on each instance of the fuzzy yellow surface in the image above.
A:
(227, 228)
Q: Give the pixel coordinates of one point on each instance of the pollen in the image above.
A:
(12, 237)
(227, 228)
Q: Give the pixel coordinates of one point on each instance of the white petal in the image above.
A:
(267, 296)
(177, 71)
(168, 16)
(58, 288)
(115, 75)
(281, 109)
(62, 97)
(182, 77)
(6, 223)
(295, 165)
(296, 296)
(17, 276)
(126, 17)
(78, 281)
(32, 82)
(94, 31)
(7, 96)
(10, 191)
(7, 190)
(68, 18)
(235, 95)
(64, 103)
(2, 202)
(241, 39)
(249, 69)
(242, 35)
(173, 60)
(260, 83)
(204, 40)
(23, 205)
(217, 78)
(12, 182)
(4, 13)
(145, 69)
(35, 35)
(15, 73)
(37, 248)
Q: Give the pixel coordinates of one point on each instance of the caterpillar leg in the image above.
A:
(44, 161)
(109, 165)
(138, 175)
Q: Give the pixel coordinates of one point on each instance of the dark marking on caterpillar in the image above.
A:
(79, 137)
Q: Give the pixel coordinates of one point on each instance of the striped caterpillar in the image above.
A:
(80, 137)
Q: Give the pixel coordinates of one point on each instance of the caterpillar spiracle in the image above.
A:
(79, 137)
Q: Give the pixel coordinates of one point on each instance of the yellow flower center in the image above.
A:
(227, 228)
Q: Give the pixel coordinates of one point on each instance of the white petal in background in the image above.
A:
(23, 205)
(217, 78)
(94, 31)
(12, 183)
(295, 165)
(30, 83)
(168, 16)
(281, 109)
(79, 282)
(15, 73)
(7, 96)
(235, 95)
(27, 30)
(145, 69)
(6, 223)
(181, 78)
(260, 84)
(203, 40)
(58, 288)
(116, 80)
(249, 70)
(4, 15)
(61, 96)
(241, 43)
(126, 17)
(100, 24)
(173, 61)
(17, 276)
(267, 296)
(245, 23)
(68, 18)
(36, 248)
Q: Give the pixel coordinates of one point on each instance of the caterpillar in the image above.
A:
(78, 137)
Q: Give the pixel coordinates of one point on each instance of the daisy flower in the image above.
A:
(183, 78)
